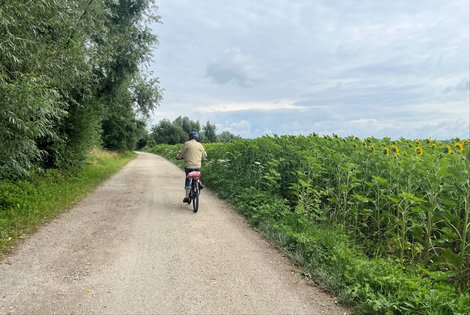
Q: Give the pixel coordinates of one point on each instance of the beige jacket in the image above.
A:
(193, 153)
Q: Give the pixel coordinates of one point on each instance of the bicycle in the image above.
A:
(195, 190)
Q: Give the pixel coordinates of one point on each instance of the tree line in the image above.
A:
(177, 131)
(72, 77)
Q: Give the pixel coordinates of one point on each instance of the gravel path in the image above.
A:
(133, 247)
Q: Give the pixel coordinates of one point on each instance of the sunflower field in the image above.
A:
(402, 207)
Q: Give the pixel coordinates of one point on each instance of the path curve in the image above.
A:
(132, 247)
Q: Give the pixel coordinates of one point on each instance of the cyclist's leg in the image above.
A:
(186, 181)
(187, 186)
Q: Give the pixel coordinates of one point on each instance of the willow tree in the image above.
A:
(123, 89)
(66, 68)
(42, 74)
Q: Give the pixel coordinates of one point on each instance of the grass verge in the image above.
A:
(27, 204)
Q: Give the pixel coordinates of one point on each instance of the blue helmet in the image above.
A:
(193, 135)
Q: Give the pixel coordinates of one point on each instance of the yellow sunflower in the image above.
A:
(419, 151)
(386, 151)
(448, 149)
(459, 146)
(395, 149)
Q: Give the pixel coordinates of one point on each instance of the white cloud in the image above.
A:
(251, 106)
(234, 67)
(343, 66)
(241, 128)
(371, 123)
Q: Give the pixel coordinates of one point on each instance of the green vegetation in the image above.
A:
(71, 79)
(167, 132)
(383, 224)
(26, 204)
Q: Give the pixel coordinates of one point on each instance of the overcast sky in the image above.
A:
(365, 67)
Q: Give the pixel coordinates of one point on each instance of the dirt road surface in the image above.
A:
(133, 247)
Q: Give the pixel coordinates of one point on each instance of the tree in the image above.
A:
(28, 113)
(44, 75)
(167, 132)
(121, 130)
(143, 135)
(187, 124)
(226, 136)
(209, 132)
(123, 88)
(174, 132)
(70, 72)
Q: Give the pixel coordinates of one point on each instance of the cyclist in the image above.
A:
(192, 153)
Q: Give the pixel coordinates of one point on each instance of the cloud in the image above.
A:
(371, 122)
(392, 67)
(353, 94)
(234, 67)
(419, 121)
(251, 106)
(242, 128)
(462, 86)
(368, 68)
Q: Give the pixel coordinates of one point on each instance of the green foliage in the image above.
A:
(208, 133)
(78, 132)
(146, 94)
(166, 132)
(26, 204)
(227, 136)
(187, 124)
(28, 112)
(406, 211)
(64, 67)
(123, 89)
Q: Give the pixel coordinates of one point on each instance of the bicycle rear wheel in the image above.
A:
(195, 193)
